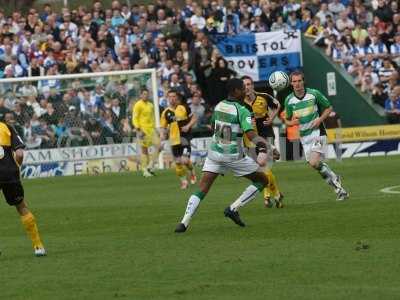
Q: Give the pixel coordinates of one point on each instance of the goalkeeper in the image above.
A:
(143, 121)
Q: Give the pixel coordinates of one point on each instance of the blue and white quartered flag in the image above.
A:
(259, 54)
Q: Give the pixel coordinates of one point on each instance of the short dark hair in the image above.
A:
(247, 77)
(144, 89)
(170, 91)
(234, 84)
(296, 73)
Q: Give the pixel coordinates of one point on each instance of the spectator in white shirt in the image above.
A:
(197, 107)
(88, 105)
(50, 59)
(167, 70)
(291, 6)
(361, 49)
(395, 49)
(14, 67)
(344, 22)
(336, 7)
(369, 80)
(386, 71)
(330, 27)
(356, 70)
(279, 24)
(377, 47)
(257, 25)
(125, 12)
(28, 89)
(70, 28)
(198, 20)
(323, 13)
(341, 54)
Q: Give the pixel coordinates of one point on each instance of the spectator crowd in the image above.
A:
(362, 37)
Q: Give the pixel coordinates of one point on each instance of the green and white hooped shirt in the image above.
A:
(231, 120)
(307, 109)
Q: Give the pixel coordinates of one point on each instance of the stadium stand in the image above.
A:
(363, 37)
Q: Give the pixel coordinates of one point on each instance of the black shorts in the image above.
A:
(13, 192)
(181, 150)
(263, 130)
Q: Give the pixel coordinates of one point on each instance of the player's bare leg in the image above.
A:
(326, 173)
(259, 182)
(189, 166)
(29, 222)
(205, 183)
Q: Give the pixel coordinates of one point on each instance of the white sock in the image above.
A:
(191, 207)
(330, 177)
(249, 194)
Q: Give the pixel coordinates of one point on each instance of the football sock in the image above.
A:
(327, 174)
(180, 171)
(144, 161)
(153, 158)
(272, 189)
(249, 194)
(150, 164)
(29, 223)
(191, 207)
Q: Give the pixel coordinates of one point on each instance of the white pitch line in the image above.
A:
(389, 190)
(333, 200)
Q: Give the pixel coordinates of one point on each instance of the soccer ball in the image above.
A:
(278, 80)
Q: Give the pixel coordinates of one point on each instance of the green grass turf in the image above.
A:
(111, 237)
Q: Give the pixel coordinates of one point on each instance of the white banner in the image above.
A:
(259, 54)
(79, 153)
(122, 158)
(79, 167)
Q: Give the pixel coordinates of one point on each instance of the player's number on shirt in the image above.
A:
(223, 133)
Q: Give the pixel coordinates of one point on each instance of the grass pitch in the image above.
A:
(111, 237)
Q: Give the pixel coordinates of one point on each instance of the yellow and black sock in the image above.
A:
(29, 223)
(180, 171)
(272, 189)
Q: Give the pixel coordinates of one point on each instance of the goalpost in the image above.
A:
(77, 102)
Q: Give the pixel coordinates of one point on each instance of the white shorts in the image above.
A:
(270, 161)
(314, 144)
(242, 167)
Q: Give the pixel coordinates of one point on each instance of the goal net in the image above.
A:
(77, 110)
